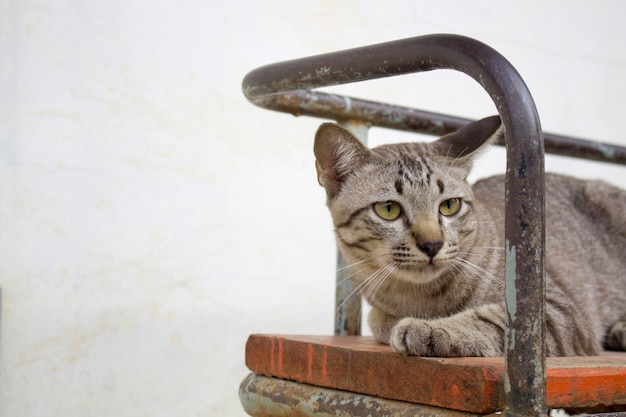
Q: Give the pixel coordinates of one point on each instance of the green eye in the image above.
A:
(388, 210)
(450, 207)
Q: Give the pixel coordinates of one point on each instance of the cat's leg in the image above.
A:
(616, 339)
(381, 324)
(475, 332)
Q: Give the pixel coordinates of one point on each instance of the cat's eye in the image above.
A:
(388, 210)
(450, 207)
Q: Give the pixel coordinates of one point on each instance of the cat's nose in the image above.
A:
(430, 248)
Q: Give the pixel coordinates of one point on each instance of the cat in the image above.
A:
(426, 249)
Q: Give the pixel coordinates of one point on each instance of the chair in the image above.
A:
(351, 375)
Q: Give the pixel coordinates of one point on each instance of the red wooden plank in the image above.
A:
(361, 365)
(582, 382)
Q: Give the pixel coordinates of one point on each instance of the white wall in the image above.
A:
(151, 218)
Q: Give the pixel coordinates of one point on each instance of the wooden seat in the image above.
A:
(475, 385)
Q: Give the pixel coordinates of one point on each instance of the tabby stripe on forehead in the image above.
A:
(441, 187)
(398, 185)
(429, 170)
(402, 173)
(352, 217)
(414, 168)
(409, 165)
(425, 162)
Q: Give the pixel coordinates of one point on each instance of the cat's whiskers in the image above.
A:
(479, 250)
(469, 276)
(486, 276)
(370, 285)
(350, 273)
(377, 280)
(349, 296)
(465, 266)
(351, 265)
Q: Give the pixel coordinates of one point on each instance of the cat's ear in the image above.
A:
(337, 153)
(464, 144)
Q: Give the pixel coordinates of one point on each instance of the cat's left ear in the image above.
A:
(337, 153)
(464, 145)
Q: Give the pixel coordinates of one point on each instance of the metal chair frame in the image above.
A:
(289, 87)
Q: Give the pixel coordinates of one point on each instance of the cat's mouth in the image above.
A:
(421, 271)
(417, 263)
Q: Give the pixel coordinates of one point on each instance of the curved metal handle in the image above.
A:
(275, 86)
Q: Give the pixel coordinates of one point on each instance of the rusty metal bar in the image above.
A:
(524, 228)
(336, 107)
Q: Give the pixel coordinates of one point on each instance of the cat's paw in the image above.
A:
(418, 337)
(441, 338)
(617, 336)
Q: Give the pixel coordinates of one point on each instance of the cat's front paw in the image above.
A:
(441, 338)
(418, 337)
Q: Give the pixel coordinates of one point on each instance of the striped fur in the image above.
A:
(435, 281)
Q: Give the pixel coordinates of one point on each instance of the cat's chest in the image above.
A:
(422, 301)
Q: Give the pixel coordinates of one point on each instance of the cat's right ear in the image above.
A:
(462, 146)
(469, 139)
(337, 153)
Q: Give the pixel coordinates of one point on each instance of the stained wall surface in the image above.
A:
(151, 218)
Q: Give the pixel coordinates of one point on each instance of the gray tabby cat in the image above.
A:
(426, 249)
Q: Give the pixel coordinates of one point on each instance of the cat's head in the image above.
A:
(403, 207)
